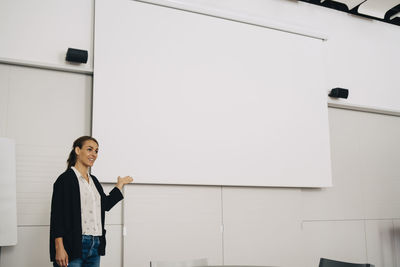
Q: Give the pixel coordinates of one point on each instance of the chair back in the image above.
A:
(332, 263)
(184, 263)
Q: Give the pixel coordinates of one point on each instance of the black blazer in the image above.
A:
(65, 217)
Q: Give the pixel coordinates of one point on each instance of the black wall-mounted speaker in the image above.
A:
(77, 55)
(339, 93)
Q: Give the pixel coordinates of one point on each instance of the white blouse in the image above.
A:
(90, 206)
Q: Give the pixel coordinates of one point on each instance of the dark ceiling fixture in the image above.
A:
(391, 16)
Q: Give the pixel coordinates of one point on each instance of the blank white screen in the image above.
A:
(184, 98)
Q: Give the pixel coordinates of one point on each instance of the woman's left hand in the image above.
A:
(123, 181)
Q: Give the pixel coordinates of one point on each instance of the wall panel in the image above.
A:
(345, 199)
(32, 248)
(380, 172)
(45, 112)
(340, 240)
(42, 31)
(114, 249)
(172, 223)
(8, 193)
(380, 238)
(262, 226)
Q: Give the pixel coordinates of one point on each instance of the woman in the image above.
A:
(77, 235)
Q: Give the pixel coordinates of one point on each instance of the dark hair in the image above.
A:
(78, 143)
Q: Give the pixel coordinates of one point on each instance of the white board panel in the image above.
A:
(8, 193)
(184, 98)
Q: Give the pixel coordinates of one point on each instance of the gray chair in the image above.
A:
(332, 263)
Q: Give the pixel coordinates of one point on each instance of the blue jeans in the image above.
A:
(90, 256)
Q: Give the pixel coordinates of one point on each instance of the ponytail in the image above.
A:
(71, 161)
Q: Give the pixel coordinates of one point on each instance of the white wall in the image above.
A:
(40, 32)
(356, 220)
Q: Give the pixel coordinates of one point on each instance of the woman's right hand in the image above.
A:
(61, 254)
(123, 181)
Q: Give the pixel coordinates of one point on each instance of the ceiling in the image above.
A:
(383, 10)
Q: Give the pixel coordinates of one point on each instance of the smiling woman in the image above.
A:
(77, 235)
